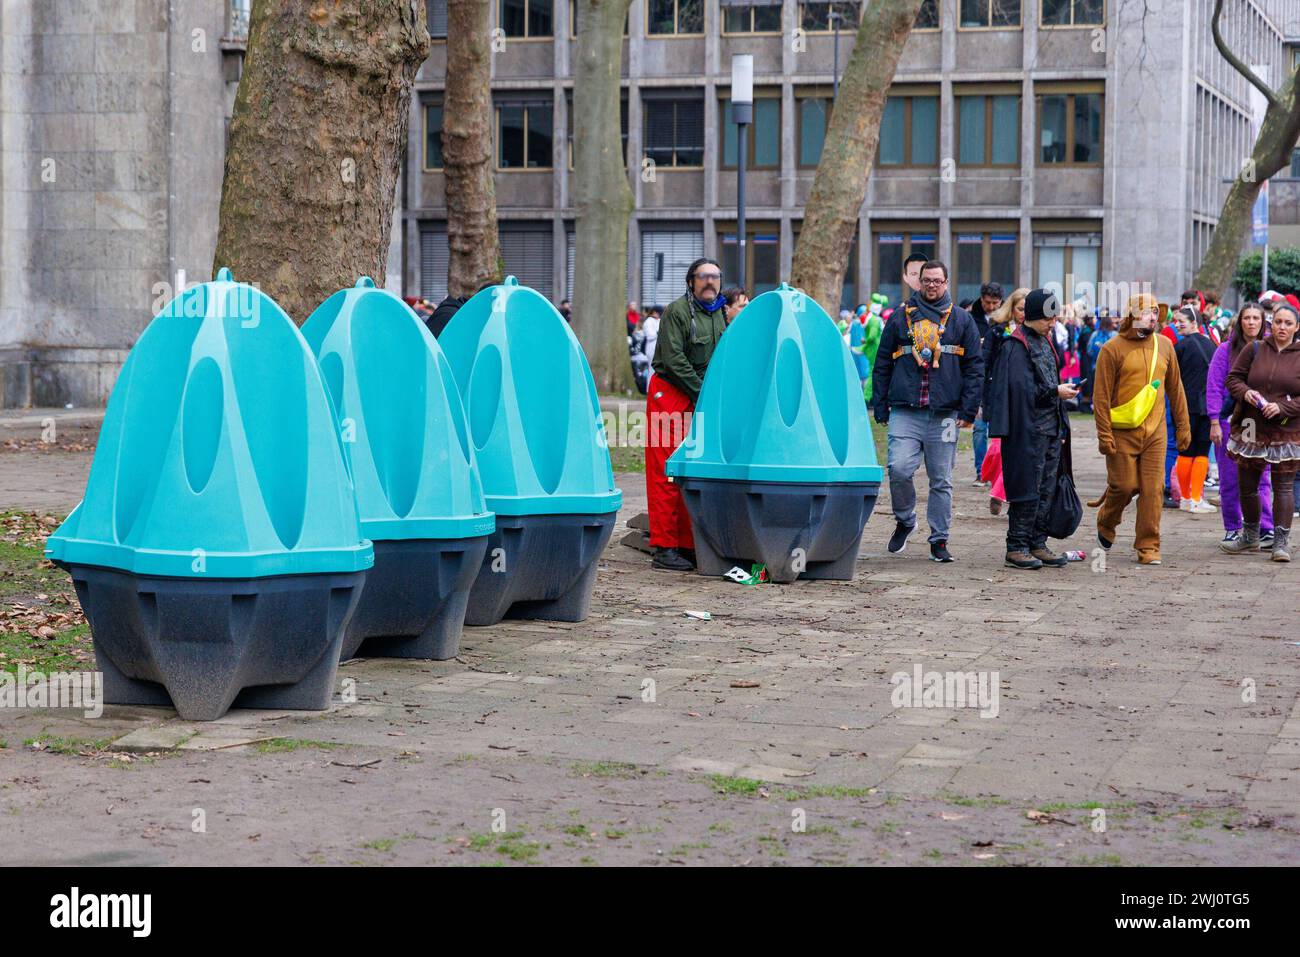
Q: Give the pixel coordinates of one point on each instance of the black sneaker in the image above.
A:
(939, 552)
(898, 541)
(688, 554)
(1266, 539)
(1104, 544)
(670, 559)
(1170, 501)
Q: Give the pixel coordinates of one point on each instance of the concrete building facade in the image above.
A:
(1028, 141)
(112, 141)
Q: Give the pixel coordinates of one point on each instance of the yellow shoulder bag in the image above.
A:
(1135, 411)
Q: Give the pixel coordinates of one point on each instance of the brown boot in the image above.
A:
(1023, 560)
(1049, 557)
(995, 506)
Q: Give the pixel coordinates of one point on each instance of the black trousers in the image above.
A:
(1027, 520)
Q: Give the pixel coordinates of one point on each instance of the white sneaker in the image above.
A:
(1200, 507)
(1185, 505)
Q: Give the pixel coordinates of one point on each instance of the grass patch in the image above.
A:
(381, 844)
(974, 801)
(625, 458)
(1086, 806)
(607, 769)
(283, 745)
(41, 624)
(725, 784)
(59, 745)
(826, 791)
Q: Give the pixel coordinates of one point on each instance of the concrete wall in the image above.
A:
(112, 149)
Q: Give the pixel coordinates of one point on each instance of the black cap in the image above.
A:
(1041, 304)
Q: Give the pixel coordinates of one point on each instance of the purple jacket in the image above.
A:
(1216, 389)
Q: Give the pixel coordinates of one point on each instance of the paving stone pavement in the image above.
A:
(1115, 680)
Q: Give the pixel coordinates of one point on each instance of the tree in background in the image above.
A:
(1272, 153)
(831, 215)
(316, 145)
(475, 252)
(1283, 272)
(602, 196)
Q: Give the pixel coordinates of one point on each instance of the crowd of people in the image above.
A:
(1187, 400)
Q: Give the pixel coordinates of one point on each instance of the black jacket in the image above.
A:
(1194, 355)
(1023, 409)
(440, 316)
(981, 321)
(955, 386)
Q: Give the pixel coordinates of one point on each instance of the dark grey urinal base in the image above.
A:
(413, 603)
(798, 530)
(206, 645)
(539, 566)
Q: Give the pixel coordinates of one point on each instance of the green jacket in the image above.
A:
(687, 337)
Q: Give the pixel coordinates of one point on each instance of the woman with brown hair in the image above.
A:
(1265, 381)
(1247, 327)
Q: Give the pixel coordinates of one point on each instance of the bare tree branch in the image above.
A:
(1234, 61)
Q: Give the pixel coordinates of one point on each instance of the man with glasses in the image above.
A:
(688, 333)
(927, 385)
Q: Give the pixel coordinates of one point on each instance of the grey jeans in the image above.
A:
(916, 434)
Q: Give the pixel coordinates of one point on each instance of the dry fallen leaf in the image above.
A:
(746, 684)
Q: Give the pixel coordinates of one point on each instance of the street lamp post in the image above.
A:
(835, 19)
(742, 113)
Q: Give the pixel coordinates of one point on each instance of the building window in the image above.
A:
(988, 129)
(763, 135)
(981, 258)
(1068, 264)
(573, 20)
(666, 17)
(1073, 13)
(665, 256)
(674, 130)
(524, 135)
(435, 256)
(762, 257)
(238, 14)
(433, 136)
(891, 250)
(977, 14)
(526, 18)
(814, 120)
(927, 18)
(1069, 128)
(436, 18)
(622, 123)
(763, 16)
(909, 131)
(823, 17)
(528, 253)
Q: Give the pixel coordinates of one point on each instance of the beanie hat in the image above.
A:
(1041, 304)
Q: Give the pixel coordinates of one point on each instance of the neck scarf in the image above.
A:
(713, 306)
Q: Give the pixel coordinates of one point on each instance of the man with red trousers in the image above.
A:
(688, 333)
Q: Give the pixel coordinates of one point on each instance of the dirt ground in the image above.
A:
(1146, 716)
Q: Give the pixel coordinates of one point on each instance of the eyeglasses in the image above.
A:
(708, 275)
(933, 282)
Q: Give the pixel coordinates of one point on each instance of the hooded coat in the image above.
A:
(1022, 406)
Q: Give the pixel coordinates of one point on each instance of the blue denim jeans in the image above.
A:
(980, 439)
(917, 435)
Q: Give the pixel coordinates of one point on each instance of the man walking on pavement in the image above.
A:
(927, 385)
(688, 333)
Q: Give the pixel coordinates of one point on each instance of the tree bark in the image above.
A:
(1271, 154)
(603, 198)
(316, 145)
(467, 150)
(831, 215)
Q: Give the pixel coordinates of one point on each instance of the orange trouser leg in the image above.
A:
(1151, 488)
(1200, 469)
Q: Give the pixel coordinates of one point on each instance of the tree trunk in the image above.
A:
(467, 150)
(316, 145)
(1272, 153)
(830, 217)
(603, 198)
